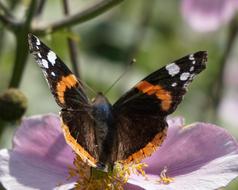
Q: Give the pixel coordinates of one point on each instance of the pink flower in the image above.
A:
(198, 156)
(208, 15)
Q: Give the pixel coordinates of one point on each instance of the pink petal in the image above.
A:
(199, 156)
(208, 15)
(40, 157)
(27, 173)
(41, 137)
(188, 148)
(217, 173)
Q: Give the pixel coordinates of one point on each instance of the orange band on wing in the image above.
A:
(162, 94)
(148, 149)
(65, 82)
(79, 150)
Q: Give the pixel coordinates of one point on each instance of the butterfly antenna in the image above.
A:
(125, 71)
(88, 87)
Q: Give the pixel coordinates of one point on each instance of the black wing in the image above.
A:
(65, 87)
(141, 112)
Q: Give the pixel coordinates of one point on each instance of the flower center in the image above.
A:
(93, 179)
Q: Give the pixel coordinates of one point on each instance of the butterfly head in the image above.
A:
(100, 98)
(102, 107)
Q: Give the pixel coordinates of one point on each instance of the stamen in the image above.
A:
(164, 178)
(94, 179)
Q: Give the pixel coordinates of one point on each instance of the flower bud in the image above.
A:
(13, 104)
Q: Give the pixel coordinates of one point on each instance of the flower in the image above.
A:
(198, 156)
(208, 15)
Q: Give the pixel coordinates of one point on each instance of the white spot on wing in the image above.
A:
(191, 69)
(39, 55)
(51, 57)
(44, 63)
(173, 69)
(184, 76)
(37, 42)
(191, 57)
(174, 84)
(194, 62)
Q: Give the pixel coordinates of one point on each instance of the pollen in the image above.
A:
(93, 179)
(164, 178)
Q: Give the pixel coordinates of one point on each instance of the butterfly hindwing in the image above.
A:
(141, 112)
(65, 87)
(78, 129)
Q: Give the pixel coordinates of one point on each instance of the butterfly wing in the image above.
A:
(77, 121)
(65, 87)
(141, 112)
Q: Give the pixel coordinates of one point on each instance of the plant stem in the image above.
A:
(72, 45)
(5, 10)
(141, 29)
(21, 29)
(40, 7)
(22, 47)
(78, 18)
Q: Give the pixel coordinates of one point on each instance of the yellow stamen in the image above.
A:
(164, 178)
(93, 179)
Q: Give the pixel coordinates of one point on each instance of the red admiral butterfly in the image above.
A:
(133, 127)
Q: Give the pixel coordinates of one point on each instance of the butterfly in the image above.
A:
(130, 129)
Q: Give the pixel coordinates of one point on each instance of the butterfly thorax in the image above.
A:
(103, 123)
(102, 109)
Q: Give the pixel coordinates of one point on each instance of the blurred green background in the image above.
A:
(154, 33)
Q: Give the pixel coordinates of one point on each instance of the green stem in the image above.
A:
(2, 126)
(78, 18)
(73, 52)
(40, 7)
(22, 29)
(5, 10)
(22, 47)
(142, 28)
(9, 22)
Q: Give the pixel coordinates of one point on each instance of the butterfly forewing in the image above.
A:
(141, 112)
(65, 87)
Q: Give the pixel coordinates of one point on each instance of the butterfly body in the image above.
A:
(98, 126)
(130, 129)
(104, 127)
